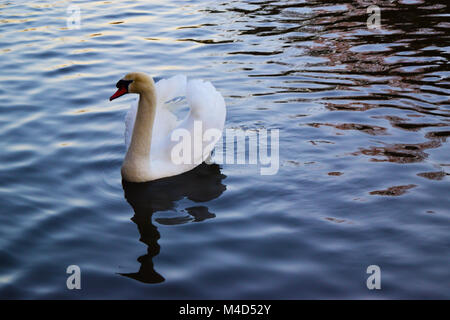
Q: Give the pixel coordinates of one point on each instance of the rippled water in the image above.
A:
(364, 155)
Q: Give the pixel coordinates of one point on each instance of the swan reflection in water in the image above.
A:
(201, 184)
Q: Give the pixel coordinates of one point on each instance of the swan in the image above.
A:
(152, 129)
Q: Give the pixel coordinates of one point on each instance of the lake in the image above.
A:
(362, 177)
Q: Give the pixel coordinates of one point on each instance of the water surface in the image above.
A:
(364, 155)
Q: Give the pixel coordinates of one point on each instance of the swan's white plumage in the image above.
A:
(206, 105)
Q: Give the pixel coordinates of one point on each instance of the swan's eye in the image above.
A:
(123, 83)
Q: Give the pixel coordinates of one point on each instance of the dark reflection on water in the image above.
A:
(204, 183)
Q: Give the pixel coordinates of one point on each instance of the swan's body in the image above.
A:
(150, 124)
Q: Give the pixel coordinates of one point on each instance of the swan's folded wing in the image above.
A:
(165, 118)
(206, 103)
(207, 106)
(171, 88)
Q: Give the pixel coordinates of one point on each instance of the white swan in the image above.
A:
(150, 124)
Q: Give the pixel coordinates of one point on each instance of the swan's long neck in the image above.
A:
(137, 160)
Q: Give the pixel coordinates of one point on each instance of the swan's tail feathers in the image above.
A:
(169, 89)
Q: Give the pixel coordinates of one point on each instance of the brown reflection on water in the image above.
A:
(439, 135)
(352, 106)
(439, 175)
(393, 191)
(400, 123)
(369, 129)
(335, 173)
(399, 153)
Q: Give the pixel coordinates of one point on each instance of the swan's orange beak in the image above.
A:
(120, 92)
(122, 88)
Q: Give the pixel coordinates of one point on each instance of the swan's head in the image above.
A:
(134, 82)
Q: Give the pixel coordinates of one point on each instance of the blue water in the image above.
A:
(364, 152)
